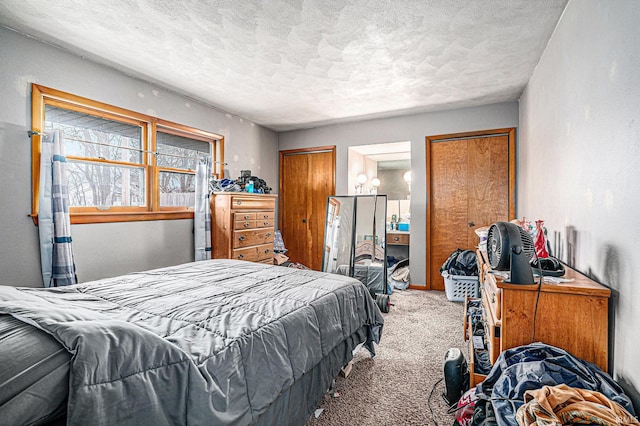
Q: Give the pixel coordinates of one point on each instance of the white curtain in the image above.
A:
(54, 224)
(202, 212)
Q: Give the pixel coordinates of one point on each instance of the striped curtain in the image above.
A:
(54, 225)
(202, 212)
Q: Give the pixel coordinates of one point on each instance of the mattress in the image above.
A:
(372, 275)
(189, 344)
(34, 375)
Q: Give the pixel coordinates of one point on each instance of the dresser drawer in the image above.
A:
(245, 224)
(398, 239)
(264, 223)
(254, 254)
(244, 202)
(251, 224)
(252, 237)
(244, 216)
(493, 294)
(265, 215)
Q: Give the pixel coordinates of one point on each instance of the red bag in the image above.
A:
(466, 404)
(540, 243)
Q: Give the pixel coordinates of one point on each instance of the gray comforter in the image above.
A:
(212, 342)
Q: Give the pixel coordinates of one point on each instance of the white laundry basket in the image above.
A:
(457, 286)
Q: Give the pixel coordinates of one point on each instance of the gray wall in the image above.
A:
(579, 157)
(101, 250)
(413, 128)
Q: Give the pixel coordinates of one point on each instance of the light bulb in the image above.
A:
(375, 182)
(407, 177)
(362, 179)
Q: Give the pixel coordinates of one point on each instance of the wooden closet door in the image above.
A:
(470, 183)
(307, 179)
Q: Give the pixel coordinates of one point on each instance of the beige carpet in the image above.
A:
(393, 387)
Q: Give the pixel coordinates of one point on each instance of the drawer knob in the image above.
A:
(239, 202)
(242, 238)
(266, 223)
(396, 238)
(241, 256)
(266, 216)
(268, 234)
(246, 216)
(246, 224)
(267, 251)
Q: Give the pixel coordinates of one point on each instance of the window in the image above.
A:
(105, 167)
(176, 158)
(121, 165)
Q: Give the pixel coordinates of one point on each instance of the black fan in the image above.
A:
(509, 247)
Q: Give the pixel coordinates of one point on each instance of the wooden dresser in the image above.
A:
(572, 316)
(243, 226)
(398, 238)
(398, 244)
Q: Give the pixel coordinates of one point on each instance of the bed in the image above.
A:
(371, 275)
(211, 342)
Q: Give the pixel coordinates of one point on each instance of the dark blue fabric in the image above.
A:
(536, 365)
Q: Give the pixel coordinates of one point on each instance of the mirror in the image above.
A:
(338, 234)
(355, 239)
(384, 169)
(392, 179)
(396, 184)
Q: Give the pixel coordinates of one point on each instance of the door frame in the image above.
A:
(511, 133)
(297, 151)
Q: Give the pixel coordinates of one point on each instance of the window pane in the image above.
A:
(95, 137)
(103, 185)
(177, 189)
(179, 152)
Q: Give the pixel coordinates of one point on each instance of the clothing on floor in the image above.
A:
(533, 366)
(562, 404)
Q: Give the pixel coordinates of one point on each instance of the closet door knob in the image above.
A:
(471, 224)
(304, 220)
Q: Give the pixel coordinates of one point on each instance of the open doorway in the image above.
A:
(385, 169)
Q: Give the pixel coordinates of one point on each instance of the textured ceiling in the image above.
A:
(301, 63)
